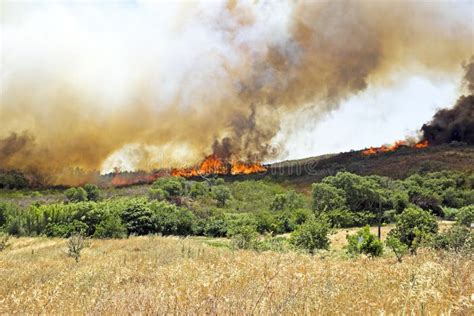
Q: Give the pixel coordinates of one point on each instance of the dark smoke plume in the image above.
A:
(456, 124)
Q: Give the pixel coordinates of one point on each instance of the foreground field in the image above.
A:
(156, 275)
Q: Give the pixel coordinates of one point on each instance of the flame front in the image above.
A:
(395, 146)
(214, 165)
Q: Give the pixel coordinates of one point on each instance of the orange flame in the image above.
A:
(395, 146)
(422, 144)
(214, 165)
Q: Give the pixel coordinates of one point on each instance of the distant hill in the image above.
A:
(397, 164)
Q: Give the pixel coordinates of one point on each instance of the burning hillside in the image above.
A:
(393, 147)
(215, 165)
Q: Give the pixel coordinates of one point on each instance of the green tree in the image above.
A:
(327, 197)
(363, 242)
(311, 236)
(414, 226)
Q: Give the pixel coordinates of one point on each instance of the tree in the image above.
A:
(221, 194)
(76, 194)
(327, 198)
(311, 236)
(93, 192)
(363, 242)
(75, 245)
(413, 226)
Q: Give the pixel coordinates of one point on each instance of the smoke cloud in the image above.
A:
(456, 124)
(145, 85)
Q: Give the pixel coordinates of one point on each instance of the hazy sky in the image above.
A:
(104, 83)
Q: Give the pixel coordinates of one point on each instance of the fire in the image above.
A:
(121, 179)
(395, 146)
(214, 165)
(384, 149)
(422, 144)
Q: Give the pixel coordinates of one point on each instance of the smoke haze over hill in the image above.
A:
(168, 84)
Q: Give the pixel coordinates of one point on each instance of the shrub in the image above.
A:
(138, 218)
(110, 227)
(457, 238)
(363, 242)
(327, 197)
(413, 226)
(397, 247)
(221, 194)
(76, 194)
(157, 194)
(311, 236)
(465, 216)
(215, 227)
(244, 237)
(277, 243)
(450, 213)
(75, 245)
(198, 189)
(173, 186)
(93, 192)
(169, 219)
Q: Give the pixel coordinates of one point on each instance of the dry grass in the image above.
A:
(155, 275)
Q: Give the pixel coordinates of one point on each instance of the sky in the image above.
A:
(147, 84)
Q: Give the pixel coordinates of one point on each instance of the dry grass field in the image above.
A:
(157, 275)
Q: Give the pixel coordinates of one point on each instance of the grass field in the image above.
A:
(157, 275)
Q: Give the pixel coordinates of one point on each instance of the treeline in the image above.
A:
(249, 209)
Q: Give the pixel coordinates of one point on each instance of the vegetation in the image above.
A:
(311, 236)
(363, 242)
(161, 275)
(264, 240)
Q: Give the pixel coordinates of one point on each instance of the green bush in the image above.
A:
(110, 227)
(311, 236)
(93, 192)
(465, 216)
(413, 226)
(173, 186)
(457, 238)
(222, 194)
(215, 227)
(168, 219)
(245, 237)
(198, 189)
(398, 248)
(157, 194)
(363, 242)
(138, 218)
(76, 194)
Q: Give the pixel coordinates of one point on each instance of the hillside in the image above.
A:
(397, 164)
